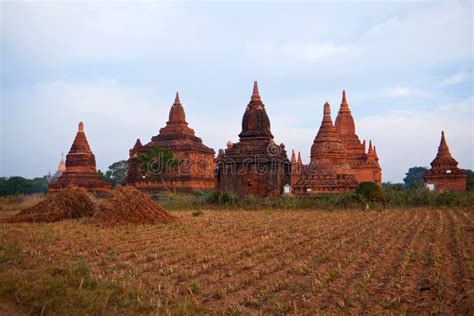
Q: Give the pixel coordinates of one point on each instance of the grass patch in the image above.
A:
(71, 290)
(9, 252)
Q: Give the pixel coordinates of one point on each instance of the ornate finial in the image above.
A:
(344, 100)
(327, 109)
(176, 99)
(344, 104)
(81, 127)
(443, 148)
(370, 147)
(299, 157)
(255, 93)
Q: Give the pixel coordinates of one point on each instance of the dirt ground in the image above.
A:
(247, 262)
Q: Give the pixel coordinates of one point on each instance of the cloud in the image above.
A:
(404, 92)
(294, 53)
(65, 32)
(410, 40)
(455, 79)
(48, 113)
(410, 138)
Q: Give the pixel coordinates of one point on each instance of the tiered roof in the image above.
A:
(177, 135)
(80, 167)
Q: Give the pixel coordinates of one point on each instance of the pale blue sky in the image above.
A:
(406, 67)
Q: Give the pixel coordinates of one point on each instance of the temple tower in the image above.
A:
(444, 173)
(80, 168)
(255, 165)
(364, 168)
(195, 161)
(328, 171)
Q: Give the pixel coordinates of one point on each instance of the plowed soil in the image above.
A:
(301, 262)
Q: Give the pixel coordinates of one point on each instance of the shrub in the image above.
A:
(370, 191)
(228, 198)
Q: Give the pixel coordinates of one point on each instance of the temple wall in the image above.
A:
(246, 180)
(449, 184)
(195, 172)
(368, 175)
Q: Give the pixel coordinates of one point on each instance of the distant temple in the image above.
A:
(365, 166)
(328, 170)
(194, 168)
(59, 171)
(339, 161)
(444, 173)
(61, 167)
(80, 168)
(255, 165)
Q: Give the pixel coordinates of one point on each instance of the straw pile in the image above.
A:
(71, 202)
(127, 205)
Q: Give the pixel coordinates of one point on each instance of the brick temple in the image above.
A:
(195, 161)
(444, 173)
(365, 165)
(337, 157)
(80, 168)
(328, 170)
(255, 165)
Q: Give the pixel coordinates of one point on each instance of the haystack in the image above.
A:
(127, 205)
(68, 203)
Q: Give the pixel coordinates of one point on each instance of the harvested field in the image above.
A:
(298, 262)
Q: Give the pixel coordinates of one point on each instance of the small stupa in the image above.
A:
(444, 173)
(80, 168)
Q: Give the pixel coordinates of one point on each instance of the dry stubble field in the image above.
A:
(299, 262)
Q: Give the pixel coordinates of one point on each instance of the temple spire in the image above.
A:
(327, 120)
(177, 115)
(62, 164)
(255, 93)
(80, 143)
(344, 104)
(443, 149)
(176, 99)
(293, 157)
(299, 158)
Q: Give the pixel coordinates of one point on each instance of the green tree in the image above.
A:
(20, 185)
(116, 173)
(414, 177)
(392, 187)
(470, 179)
(370, 191)
(156, 162)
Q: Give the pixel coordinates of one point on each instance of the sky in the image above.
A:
(116, 66)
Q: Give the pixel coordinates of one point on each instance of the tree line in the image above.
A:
(117, 172)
